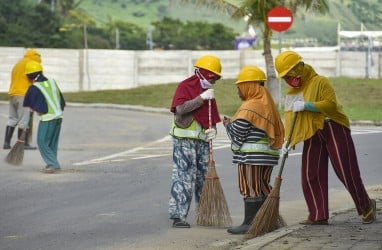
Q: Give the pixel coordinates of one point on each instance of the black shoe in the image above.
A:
(242, 229)
(7, 146)
(178, 223)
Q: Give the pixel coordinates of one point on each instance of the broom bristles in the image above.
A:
(16, 154)
(213, 209)
(268, 218)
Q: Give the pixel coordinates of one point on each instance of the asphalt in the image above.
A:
(345, 229)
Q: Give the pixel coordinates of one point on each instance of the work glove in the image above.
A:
(208, 94)
(210, 133)
(298, 106)
(284, 148)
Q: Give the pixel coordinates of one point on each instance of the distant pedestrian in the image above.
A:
(256, 133)
(191, 134)
(324, 129)
(18, 115)
(45, 98)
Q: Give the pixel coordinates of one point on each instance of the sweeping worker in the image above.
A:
(45, 98)
(324, 129)
(18, 115)
(256, 133)
(191, 134)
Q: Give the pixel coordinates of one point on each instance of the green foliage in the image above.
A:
(173, 34)
(31, 23)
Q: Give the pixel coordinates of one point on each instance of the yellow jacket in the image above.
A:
(19, 81)
(318, 90)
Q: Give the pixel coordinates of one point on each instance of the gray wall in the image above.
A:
(84, 70)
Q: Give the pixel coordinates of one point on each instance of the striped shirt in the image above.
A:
(241, 131)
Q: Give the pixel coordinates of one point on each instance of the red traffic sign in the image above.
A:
(279, 19)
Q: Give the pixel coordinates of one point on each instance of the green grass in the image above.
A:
(361, 98)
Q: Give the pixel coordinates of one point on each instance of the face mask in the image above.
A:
(203, 81)
(294, 82)
(293, 77)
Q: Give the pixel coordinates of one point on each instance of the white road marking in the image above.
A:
(163, 147)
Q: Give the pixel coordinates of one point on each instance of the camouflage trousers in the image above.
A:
(190, 163)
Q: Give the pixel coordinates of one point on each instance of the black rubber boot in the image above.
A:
(27, 146)
(8, 136)
(251, 206)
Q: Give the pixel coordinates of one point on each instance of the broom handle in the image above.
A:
(287, 144)
(210, 126)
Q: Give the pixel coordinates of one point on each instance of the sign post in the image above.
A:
(279, 19)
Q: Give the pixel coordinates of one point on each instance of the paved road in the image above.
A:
(113, 190)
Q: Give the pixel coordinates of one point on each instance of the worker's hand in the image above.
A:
(284, 148)
(210, 133)
(226, 121)
(208, 94)
(298, 106)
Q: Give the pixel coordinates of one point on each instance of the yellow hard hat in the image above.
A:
(285, 61)
(251, 74)
(210, 63)
(32, 67)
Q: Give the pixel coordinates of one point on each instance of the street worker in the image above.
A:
(191, 135)
(324, 129)
(45, 98)
(18, 115)
(257, 134)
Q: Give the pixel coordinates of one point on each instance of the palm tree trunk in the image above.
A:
(271, 73)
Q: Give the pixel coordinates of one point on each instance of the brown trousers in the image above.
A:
(254, 180)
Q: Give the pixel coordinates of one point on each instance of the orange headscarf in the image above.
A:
(259, 109)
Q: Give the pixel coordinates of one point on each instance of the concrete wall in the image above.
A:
(86, 70)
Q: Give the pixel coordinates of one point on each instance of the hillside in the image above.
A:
(144, 12)
(322, 29)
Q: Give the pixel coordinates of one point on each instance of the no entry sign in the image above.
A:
(279, 19)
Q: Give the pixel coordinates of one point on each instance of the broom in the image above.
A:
(268, 218)
(213, 209)
(16, 154)
(30, 128)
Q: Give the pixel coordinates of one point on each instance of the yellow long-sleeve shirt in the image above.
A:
(317, 90)
(19, 81)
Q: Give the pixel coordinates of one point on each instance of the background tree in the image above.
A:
(256, 11)
(173, 34)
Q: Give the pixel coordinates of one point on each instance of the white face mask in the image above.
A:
(203, 81)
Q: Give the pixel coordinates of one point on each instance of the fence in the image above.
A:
(88, 70)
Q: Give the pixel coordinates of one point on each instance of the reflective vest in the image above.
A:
(52, 96)
(194, 131)
(260, 146)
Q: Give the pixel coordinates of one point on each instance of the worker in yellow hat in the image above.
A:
(45, 98)
(256, 133)
(324, 129)
(191, 132)
(20, 116)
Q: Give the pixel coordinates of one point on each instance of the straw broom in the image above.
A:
(16, 154)
(268, 218)
(213, 209)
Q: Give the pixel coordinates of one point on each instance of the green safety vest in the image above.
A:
(194, 131)
(260, 146)
(50, 91)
